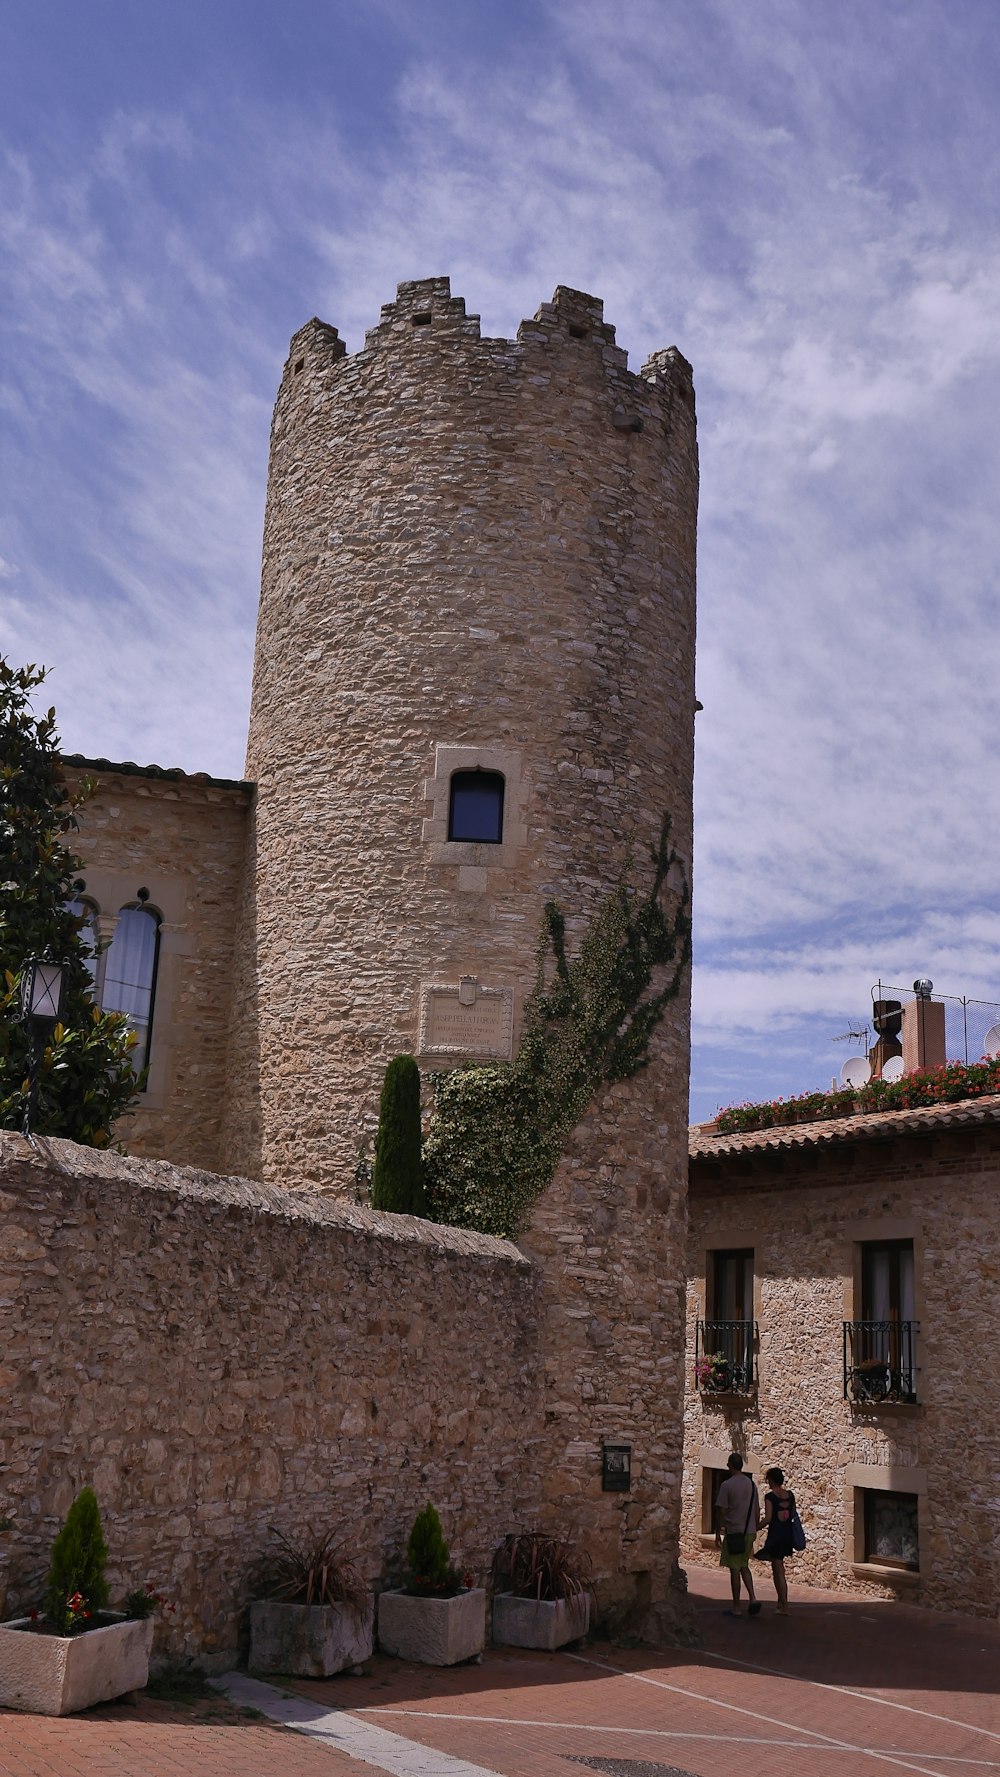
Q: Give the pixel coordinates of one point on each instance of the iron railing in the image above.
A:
(725, 1356)
(966, 1022)
(879, 1360)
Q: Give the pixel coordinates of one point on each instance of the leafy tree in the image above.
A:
(398, 1175)
(498, 1130)
(79, 1557)
(85, 1075)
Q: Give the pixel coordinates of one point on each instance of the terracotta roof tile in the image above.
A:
(173, 773)
(869, 1126)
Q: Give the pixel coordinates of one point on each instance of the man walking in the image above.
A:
(737, 1520)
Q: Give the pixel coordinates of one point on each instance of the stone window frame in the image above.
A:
(475, 855)
(712, 1458)
(880, 1231)
(870, 1477)
(740, 1239)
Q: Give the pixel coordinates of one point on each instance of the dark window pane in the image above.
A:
(731, 1285)
(891, 1528)
(476, 807)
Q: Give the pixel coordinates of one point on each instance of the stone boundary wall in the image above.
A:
(216, 1356)
(805, 1217)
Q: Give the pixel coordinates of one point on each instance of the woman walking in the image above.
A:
(779, 1511)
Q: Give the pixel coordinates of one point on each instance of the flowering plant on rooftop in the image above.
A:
(948, 1084)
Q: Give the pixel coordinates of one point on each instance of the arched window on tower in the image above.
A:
(475, 807)
(130, 974)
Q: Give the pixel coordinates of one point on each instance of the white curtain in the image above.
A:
(129, 973)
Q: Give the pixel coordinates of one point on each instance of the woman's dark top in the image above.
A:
(778, 1543)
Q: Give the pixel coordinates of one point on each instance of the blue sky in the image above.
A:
(802, 197)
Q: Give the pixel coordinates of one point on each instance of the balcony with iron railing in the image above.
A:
(725, 1357)
(880, 1362)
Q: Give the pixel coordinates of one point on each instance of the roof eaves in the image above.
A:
(171, 773)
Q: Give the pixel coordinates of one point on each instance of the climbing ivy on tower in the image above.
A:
(497, 1131)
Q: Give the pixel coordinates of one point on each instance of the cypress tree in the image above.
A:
(398, 1175)
(429, 1571)
(79, 1555)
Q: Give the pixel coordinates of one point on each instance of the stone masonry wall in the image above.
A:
(183, 840)
(215, 1356)
(477, 550)
(805, 1220)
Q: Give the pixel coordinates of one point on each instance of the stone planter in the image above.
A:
(61, 1674)
(309, 1640)
(433, 1631)
(540, 1622)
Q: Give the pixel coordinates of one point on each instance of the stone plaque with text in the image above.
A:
(464, 1021)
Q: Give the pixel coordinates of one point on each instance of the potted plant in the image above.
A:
(714, 1373)
(438, 1617)
(540, 1598)
(76, 1652)
(316, 1616)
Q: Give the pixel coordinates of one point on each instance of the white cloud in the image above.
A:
(799, 202)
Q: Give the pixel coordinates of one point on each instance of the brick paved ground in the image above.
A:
(842, 1688)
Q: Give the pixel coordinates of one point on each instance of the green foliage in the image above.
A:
(948, 1084)
(534, 1566)
(310, 1572)
(79, 1556)
(398, 1174)
(86, 1078)
(498, 1131)
(429, 1570)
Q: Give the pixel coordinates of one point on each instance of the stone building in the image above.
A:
(473, 692)
(842, 1325)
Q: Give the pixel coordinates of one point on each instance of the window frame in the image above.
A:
(872, 1496)
(464, 778)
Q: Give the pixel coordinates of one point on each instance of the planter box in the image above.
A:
(433, 1631)
(309, 1640)
(61, 1674)
(540, 1622)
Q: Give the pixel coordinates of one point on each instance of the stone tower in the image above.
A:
(479, 558)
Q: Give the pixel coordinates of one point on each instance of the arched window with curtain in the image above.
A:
(130, 974)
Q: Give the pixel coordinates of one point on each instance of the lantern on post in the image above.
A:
(43, 988)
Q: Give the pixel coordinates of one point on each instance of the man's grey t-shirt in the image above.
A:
(733, 1504)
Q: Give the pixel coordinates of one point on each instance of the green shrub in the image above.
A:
(429, 1570)
(79, 1556)
(85, 1078)
(398, 1175)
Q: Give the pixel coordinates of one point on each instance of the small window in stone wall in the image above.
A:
(475, 807)
(891, 1529)
(711, 1481)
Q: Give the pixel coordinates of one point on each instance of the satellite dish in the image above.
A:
(855, 1072)
(991, 1042)
(893, 1068)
